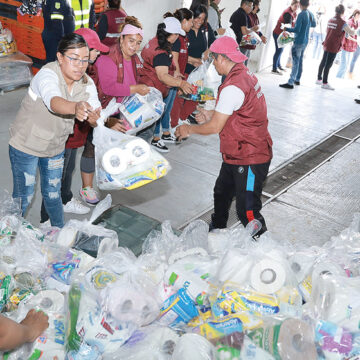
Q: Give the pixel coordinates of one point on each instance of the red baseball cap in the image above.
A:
(228, 46)
(92, 39)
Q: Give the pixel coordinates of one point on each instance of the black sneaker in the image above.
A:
(297, 82)
(159, 145)
(169, 138)
(281, 68)
(192, 119)
(357, 101)
(276, 72)
(286, 86)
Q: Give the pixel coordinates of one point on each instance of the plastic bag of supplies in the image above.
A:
(284, 39)
(124, 161)
(250, 39)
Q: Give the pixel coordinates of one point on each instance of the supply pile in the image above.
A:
(200, 295)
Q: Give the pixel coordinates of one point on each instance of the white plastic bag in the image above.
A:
(250, 39)
(125, 161)
(285, 38)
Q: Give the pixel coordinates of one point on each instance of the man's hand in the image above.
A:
(35, 322)
(178, 75)
(203, 116)
(93, 116)
(185, 87)
(81, 110)
(264, 39)
(182, 132)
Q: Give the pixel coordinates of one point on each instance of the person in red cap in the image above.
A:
(78, 138)
(240, 118)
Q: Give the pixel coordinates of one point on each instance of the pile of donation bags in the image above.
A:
(196, 296)
(123, 161)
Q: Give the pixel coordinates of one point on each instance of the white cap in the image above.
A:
(173, 26)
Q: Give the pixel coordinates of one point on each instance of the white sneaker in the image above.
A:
(45, 225)
(327, 87)
(74, 206)
(184, 122)
(318, 82)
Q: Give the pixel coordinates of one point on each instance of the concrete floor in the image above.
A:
(298, 120)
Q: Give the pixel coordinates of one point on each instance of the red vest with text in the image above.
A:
(281, 20)
(347, 44)
(334, 35)
(245, 139)
(114, 19)
(183, 54)
(148, 73)
(116, 56)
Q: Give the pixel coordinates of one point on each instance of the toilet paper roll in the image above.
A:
(66, 236)
(115, 161)
(107, 245)
(301, 265)
(267, 276)
(234, 267)
(295, 340)
(326, 267)
(47, 301)
(193, 347)
(139, 151)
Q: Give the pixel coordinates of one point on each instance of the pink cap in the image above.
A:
(132, 30)
(92, 39)
(228, 46)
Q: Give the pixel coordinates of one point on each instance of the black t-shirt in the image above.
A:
(162, 60)
(176, 46)
(238, 19)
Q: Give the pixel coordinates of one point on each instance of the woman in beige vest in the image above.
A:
(59, 93)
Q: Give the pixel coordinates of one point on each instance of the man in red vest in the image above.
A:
(240, 118)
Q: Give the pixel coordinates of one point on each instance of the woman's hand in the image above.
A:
(178, 75)
(194, 61)
(141, 89)
(116, 124)
(82, 108)
(185, 87)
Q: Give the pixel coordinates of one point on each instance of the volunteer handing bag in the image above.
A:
(139, 112)
(124, 161)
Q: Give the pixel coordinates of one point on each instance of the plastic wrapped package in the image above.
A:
(290, 339)
(50, 344)
(150, 342)
(8, 205)
(139, 112)
(285, 38)
(113, 298)
(250, 351)
(83, 235)
(250, 39)
(193, 347)
(124, 161)
(228, 346)
(15, 71)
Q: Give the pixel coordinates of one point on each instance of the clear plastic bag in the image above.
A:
(193, 347)
(140, 112)
(285, 38)
(125, 161)
(250, 39)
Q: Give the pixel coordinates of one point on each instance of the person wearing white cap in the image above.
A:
(240, 117)
(158, 69)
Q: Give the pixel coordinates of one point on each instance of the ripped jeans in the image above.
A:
(24, 167)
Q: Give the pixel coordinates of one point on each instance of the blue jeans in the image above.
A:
(164, 121)
(277, 55)
(354, 59)
(24, 167)
(345, 58)
(318, 39)
(297, 52)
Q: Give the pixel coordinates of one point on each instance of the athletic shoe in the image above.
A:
(191, 119)
(45, 225)
(276, 72)
(297, 83)
(327, 87)
(318, 82)
(74, 206)
(184, 122)
(89, 195)
(159, 146)
(281, 68)
(169, 138)
(286, 86)
(357, 101)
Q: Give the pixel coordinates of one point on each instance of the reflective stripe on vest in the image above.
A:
(56, 17)
(82, 13)
(115, 35)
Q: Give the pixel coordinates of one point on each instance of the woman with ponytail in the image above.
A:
(158, 71)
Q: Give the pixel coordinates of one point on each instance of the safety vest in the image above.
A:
(82, 13)
(334, 35)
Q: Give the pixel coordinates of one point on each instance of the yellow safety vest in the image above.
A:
(82, 14)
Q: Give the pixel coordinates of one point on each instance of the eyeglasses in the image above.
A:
(77, 62)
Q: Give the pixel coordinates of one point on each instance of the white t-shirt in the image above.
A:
(46, 86)
(231, 99)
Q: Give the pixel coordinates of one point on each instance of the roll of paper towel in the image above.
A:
(267, 276)
(115, 160)
(139, 151)
(193, 347)
(48, 301)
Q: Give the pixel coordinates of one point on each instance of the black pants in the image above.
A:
(325, 65)
(245, 182)
(66, 194)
